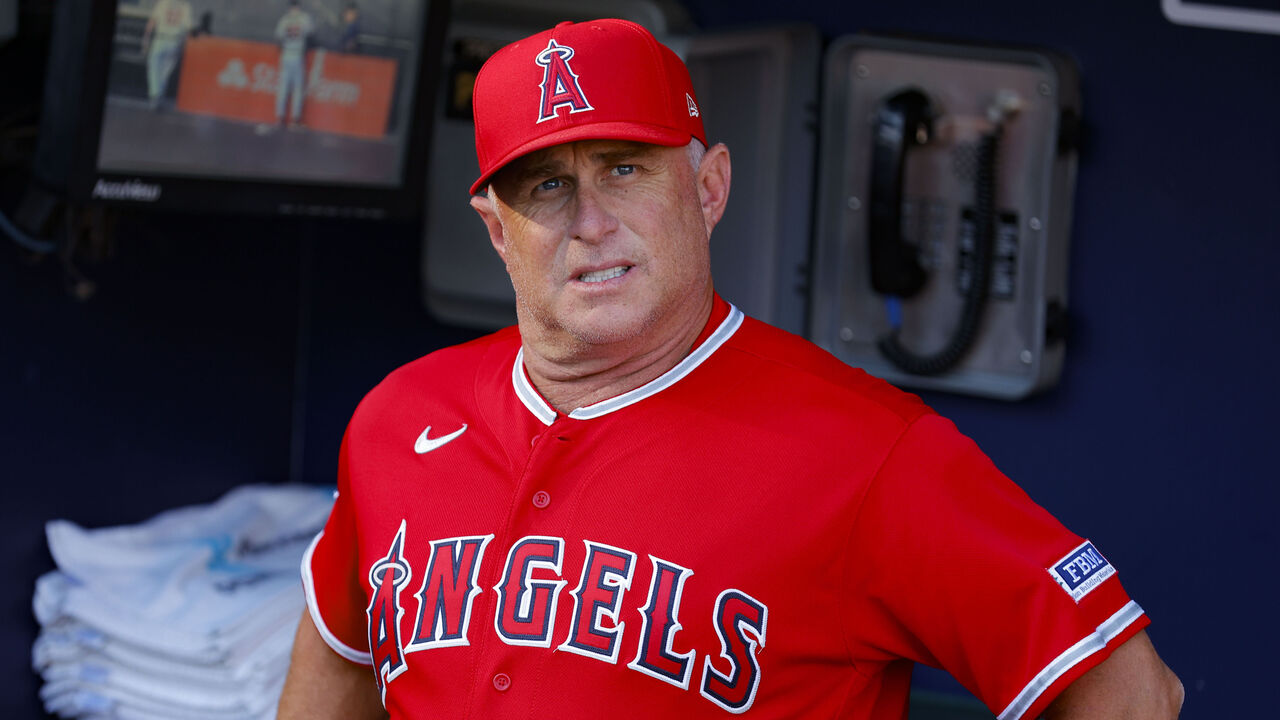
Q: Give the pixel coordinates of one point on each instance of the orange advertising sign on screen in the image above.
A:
(238, 79)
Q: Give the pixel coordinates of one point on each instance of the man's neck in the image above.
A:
(591, 374)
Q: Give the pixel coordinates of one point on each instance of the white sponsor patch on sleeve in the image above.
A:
(1081, 570)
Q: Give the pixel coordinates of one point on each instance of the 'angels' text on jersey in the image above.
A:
(532, 579)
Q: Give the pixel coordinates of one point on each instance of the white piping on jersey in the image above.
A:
(308, 587)
(526, 393)
(1091, 644)
(532, 400)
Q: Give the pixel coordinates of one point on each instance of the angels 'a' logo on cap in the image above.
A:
(559, 83)
(693, 106)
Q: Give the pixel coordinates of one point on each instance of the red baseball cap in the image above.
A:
(598, 80)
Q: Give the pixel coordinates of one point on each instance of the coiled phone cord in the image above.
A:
(975, 299)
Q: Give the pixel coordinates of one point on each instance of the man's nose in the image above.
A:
(593, 218)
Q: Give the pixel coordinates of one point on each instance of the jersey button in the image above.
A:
(501, 682)
(541, 499)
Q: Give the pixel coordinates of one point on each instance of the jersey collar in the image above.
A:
(547, 414)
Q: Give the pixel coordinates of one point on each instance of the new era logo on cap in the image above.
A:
(597, 80)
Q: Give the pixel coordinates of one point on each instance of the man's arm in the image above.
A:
(1132, 684)
(322, 685)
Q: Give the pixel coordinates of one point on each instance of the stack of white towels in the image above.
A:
(190, 614)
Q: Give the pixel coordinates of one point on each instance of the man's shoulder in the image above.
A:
(808, 372)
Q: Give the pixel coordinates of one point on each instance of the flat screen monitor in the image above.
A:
(286, 107)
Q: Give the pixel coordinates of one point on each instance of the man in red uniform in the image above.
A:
(639, 503)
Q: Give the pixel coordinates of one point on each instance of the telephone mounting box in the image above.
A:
(1018, 348)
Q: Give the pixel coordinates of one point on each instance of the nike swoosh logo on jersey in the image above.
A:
(426, 444)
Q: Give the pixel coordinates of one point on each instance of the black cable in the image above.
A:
(975, 299)
(24, 240)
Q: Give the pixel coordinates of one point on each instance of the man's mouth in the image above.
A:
(596, 276)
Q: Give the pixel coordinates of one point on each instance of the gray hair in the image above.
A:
(696, 150)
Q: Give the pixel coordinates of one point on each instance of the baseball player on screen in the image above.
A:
(292, 31)
(162, 41)
(639, 503)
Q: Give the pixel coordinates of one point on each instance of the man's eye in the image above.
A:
(550, 184)
(624, 169)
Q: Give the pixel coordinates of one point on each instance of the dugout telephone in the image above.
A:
(944, 213)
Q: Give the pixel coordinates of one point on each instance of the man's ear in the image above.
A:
(713, 179)
(489, 214)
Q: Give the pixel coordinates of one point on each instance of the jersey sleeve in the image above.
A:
(330, 577)
(956, 567)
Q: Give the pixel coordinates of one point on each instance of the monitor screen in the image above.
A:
(309, 107)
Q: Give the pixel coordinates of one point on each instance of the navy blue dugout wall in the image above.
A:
(218, 352)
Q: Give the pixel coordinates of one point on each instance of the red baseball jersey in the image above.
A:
(762, 530)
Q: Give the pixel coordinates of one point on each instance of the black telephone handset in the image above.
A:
(902, 120)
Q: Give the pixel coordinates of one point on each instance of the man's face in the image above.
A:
(605, 241)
